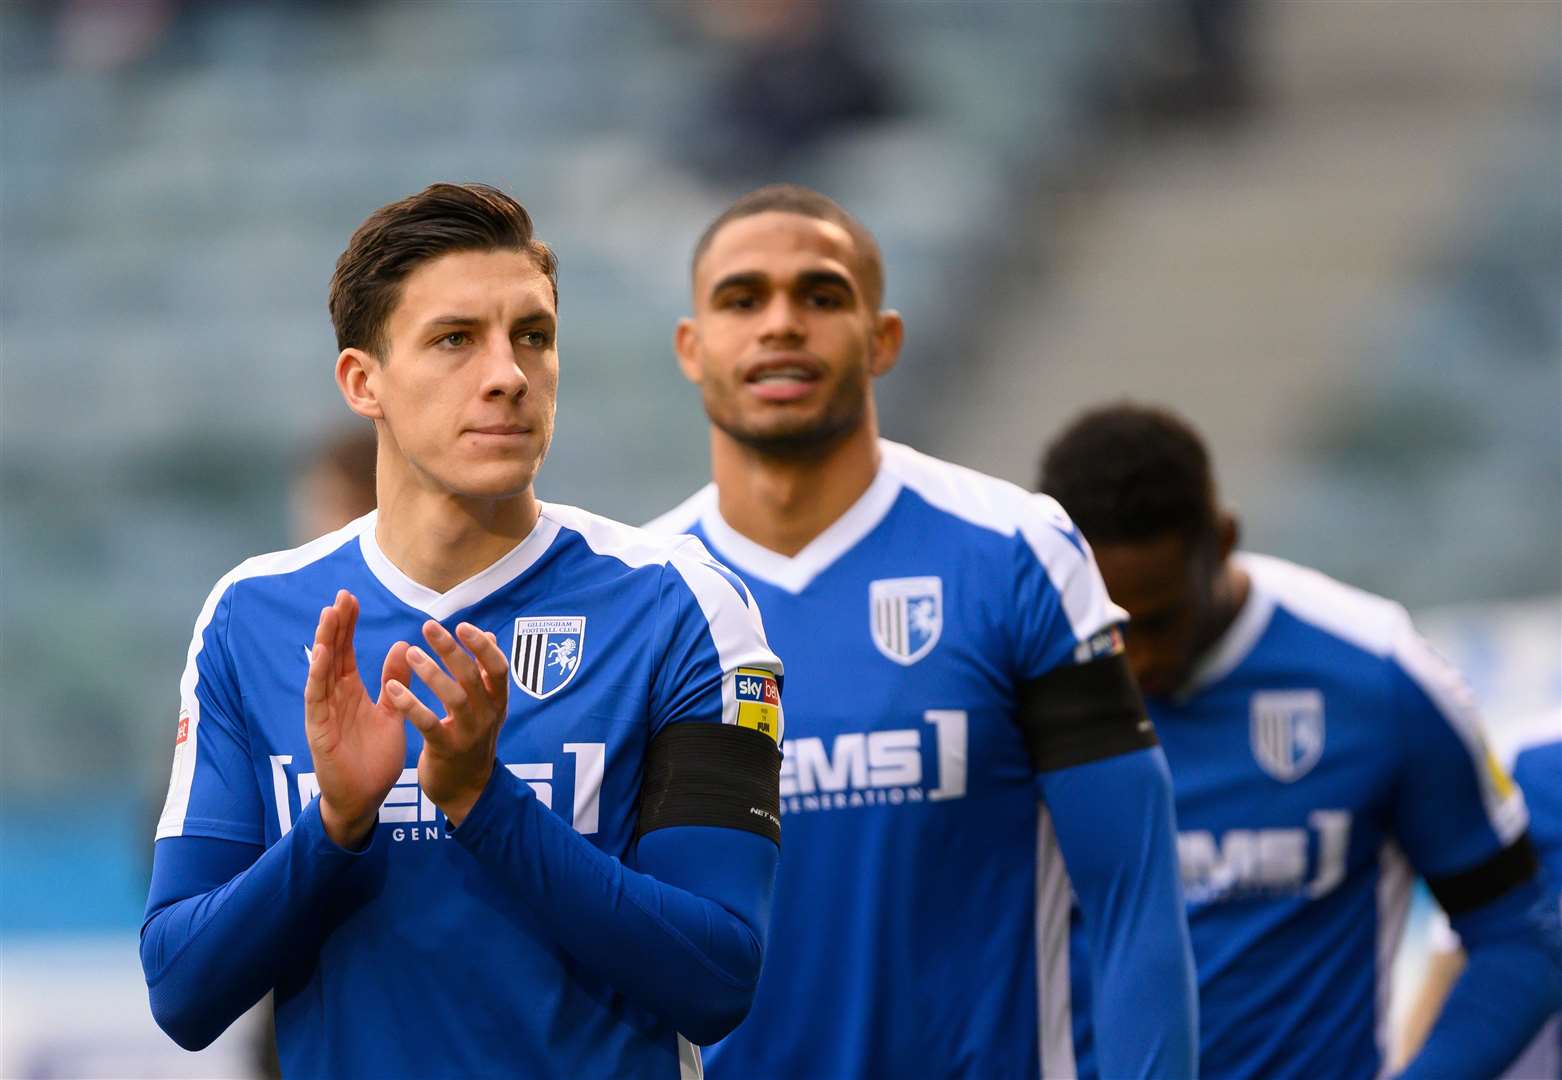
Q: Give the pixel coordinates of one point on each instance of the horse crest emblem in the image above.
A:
(547, 653)
(906, 616)
(1286, 730)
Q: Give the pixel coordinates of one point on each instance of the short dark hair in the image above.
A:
(398, 237)
(797, 199)
(1128, 473)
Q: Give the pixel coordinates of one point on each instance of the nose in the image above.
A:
(782, 321)
(503, 376)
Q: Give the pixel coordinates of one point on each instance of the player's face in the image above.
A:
(783, 343)
(1167, 587)
(467, 391)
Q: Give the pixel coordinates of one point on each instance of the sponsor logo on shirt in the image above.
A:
(547, 653)
(184, 727)
(1108, 642)
(759, 701)
(1246, 863)
(906, 616)
(876, 768)
(1286, 732)
(412, 815)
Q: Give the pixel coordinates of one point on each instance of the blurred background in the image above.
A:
(1331, 234)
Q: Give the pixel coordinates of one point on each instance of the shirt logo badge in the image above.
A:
(547, 653)
(906, 616)
(1286, 730)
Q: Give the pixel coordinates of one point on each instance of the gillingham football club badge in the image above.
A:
(906, 615)
(1287, 732)
(547, 653)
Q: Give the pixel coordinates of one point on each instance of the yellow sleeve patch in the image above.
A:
(759, 701)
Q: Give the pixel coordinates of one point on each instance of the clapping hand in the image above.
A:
(474, 687)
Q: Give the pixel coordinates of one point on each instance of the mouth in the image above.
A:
(784, 378)
(500, 431)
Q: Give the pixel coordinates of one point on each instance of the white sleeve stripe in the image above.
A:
(1074, 577)
(177, 805)
(735, 628)
(1437, 679)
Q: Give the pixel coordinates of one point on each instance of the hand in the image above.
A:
(359, 747)
(458, 750)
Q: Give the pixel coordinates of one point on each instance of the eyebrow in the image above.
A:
(538, 317)
(806, 279)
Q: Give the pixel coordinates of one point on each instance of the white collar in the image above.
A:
(794, 573)
(441, 605)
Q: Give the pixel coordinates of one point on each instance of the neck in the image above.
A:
(439, 539)
(782, 503)
(1231, 591)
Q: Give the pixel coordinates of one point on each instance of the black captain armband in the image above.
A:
(712, 774)
(1480, 885)
(1083, 712)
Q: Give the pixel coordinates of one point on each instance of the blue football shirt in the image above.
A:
(921, 910)
(613, 634)
(1320, 754)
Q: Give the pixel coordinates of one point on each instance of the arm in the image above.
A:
(682, 935)
(1103, 778)
(680, 930)
(1445, 962)
(223, 919)
(1510, 985)
(1462, 822)
(1114, 822)
(224, 911)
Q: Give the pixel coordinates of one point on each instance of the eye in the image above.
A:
(455, 339)
(535, 339)
(736, 301)
(824, 301)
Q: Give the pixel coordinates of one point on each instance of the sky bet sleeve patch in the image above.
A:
(758, 695)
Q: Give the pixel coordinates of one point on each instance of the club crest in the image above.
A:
(906, 616)
(547, 653)
(1287, 732)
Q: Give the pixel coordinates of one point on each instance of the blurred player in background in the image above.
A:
(579, 891)
(1533, 752)
(1320, 751)
(963, 723)
(335, 483)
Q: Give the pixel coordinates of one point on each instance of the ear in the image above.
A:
(889, 333)
(356, 377)
(1228, 530)
(686, 340)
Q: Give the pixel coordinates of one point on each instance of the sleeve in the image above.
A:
(223, 918)
(212, 790)
(680, 926)
(1062, 613)
(1075, 698)
(1463, 824)
(1115, 826)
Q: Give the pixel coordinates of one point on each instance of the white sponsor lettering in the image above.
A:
(407, 805)
(875, 768)
(1266, 861)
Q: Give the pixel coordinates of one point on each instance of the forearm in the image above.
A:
(667, 945)
(209, 954)
(1511, 982)
(1115, 825)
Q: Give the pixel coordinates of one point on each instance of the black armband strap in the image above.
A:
(1083, 712)
(1469, 889)
(712, 774)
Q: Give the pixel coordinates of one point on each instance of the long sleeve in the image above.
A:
(223, 917)
(682, 935)
(1114, 822)
(1510, 985)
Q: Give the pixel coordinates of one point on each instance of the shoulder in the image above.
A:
(1372, 624)
(636, 547)
(272, 568)
(989, 504)
(683, 517)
